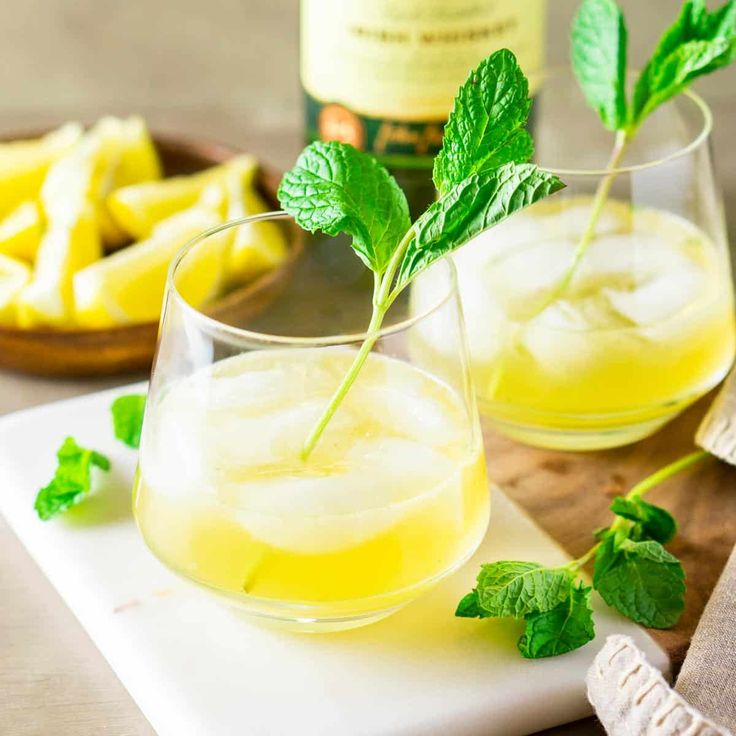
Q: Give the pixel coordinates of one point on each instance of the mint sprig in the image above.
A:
(480, 176)
(632, 572)
(697, 43)
(72, 479)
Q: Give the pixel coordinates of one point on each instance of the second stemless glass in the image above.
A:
(645, 326)
(393, 498)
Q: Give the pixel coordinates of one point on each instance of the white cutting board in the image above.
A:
(198, 668)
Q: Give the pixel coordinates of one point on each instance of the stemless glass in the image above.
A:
(393, 498)
(645, 326)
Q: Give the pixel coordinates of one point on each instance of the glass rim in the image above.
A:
(223, 329)
(701, 137)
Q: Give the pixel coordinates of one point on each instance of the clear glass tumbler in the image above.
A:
(393, 498)
(603, 352)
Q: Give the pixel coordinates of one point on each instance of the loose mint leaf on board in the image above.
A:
(127, 418)
(697, 43)
(653, 522)
(641, 580)
(599, 59)
(476, 204)
(72, 479)
(567, 626)
(337, 189)
(469, 607)
(486, 126)
(512, 588)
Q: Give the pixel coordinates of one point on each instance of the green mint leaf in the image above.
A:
(72, 479)
(697, 43)
(599, 59)
(337, 189)
(469, 607)
(641, 580)
(127, 418)
(512, 588)
(476, 204)
(567, 626)
(486, 126)
(653, 522)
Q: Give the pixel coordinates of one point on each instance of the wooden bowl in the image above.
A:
(128, 348)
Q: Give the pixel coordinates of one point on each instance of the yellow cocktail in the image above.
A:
(393, 498)
(645, 327)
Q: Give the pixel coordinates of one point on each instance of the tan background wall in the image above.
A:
(224, 68)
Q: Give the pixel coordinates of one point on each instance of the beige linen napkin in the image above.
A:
(708, 676)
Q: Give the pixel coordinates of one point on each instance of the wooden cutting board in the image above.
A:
(568, 495)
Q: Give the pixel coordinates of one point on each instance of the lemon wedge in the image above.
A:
(21, 230)
(23, 164)
(139, 159)
(138, 208)
(64, 250)
(128, 286)
(14, 275)
(128, 157)
(257, 247)
(72, 239)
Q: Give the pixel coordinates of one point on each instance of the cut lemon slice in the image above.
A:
(138, 208)
(64, 250)
(256, 247)
(14, 275)
(128, 157)
(23, 164)
(72, 239)
(128, 286)
(21, 230)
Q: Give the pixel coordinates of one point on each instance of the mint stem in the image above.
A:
(666, 472)
(582, 561)
(623, 137)
(639, 490)
(382, 300)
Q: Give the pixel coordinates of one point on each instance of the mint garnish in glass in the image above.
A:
(697, 43)
(480, 173)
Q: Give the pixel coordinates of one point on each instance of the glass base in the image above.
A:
(588, 435)
(579, 439)
(314, 625)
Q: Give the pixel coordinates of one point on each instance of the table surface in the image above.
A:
(52, 679)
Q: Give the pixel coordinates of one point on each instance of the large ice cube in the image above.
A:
(380, 483)
(661, 297)
(237, 443)
(173, 459)
(573, 219)
(402, 407)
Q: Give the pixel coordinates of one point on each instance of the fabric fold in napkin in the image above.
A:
(708, 676)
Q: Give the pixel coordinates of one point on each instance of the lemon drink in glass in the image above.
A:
(392, 498)
(596, 316)
(314, 471)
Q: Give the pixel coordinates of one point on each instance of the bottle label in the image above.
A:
(383, 74)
